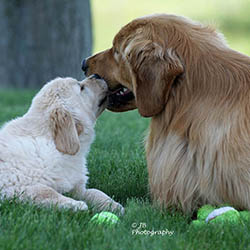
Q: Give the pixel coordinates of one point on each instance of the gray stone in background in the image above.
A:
(43, 39)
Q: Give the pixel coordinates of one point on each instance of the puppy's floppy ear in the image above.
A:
(155, 71)
(65, 131)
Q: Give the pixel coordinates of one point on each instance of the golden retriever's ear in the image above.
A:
(155, 71)
(65, 131)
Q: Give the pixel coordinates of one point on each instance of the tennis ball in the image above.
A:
(105, 218)
(210, 214)
(204, 211)
(223, 214)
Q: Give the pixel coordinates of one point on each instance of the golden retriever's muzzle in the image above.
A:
(84, 66)
(119, 97)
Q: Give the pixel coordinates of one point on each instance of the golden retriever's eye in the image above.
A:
(116, 55)
(116, 52)
(82, 87)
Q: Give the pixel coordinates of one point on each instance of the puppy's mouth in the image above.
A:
(103, 101)
(119, 96)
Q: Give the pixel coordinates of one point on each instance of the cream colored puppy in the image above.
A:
(43, 153)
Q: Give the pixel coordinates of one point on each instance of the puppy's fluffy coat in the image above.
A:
(43, 153)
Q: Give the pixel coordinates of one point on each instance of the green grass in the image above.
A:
(117, 166)
(118, 155)
(14, 103)
(117, 163)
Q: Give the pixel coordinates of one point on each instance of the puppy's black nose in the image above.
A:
(84, 66)
(96, 76)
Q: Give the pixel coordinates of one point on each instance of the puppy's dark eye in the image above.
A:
(82, 87)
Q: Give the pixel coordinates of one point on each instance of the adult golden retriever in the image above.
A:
(197, 91)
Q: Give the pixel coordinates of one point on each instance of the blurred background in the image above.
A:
(44, 39)
(231, 17)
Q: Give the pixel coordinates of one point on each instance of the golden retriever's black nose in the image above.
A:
(84, 66)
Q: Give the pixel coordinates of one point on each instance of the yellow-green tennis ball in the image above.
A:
(204, 211)
(105, 218)
(223, 214)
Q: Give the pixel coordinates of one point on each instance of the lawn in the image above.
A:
(116, 162)
(117, 166)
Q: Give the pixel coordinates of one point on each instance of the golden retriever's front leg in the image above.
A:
(98, 199)
(47, 196)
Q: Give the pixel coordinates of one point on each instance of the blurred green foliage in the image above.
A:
(14, 103)
(231, 17)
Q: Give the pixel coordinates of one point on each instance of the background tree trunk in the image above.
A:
(40, 40)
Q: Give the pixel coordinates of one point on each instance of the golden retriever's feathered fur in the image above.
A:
(197, 91)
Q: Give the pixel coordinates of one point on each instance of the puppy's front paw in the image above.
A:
(80, 205)
(75, 205)
(118, 208)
